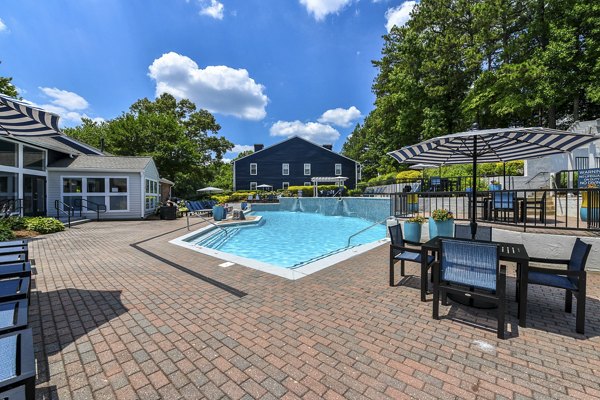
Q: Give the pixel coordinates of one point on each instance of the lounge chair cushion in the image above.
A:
(412, 256)
(540, 278)
(7, 314)
(8, 357)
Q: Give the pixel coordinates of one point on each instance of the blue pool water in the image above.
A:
(291, 239)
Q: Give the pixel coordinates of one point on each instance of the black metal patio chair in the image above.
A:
(400, 252)
(506, 203)
(572, 279)
(17, 364)
(538, 205)
(484, 233)
(472, 270)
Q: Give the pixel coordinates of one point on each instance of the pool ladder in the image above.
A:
(365, 229)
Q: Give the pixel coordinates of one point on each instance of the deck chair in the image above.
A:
(13, 258)
(484, 233)
(13, 316)
(505, 202)
(572, 280)
(22, 269)
(17, 365)
(471, 269)
(538, 206)
(399, 251)
(15, 288)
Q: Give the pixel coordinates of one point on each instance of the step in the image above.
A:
(74, 221)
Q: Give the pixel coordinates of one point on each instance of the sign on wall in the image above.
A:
(588, 176)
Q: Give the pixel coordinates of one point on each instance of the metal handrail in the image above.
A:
(78, 203)
(365, 229)
(59, 205)
(187, 215)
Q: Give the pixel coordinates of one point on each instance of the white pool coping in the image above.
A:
(288, 273)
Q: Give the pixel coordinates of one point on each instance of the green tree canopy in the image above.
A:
(7, 88)
(182, 140)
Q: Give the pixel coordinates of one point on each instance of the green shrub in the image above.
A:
(43, 224)
(14, 223)
(409, 174)
(355, 192)
(6, 233)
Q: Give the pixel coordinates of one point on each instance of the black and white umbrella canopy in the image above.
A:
(492, 145)
(19, 118)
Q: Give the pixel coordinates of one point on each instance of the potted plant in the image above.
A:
(495, 185)
(412, 228)
(441, 223)
(587, 207)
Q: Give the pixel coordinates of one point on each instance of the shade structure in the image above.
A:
(264, 186)
(210, 189)
(20, 118)
(423, 166)
(491, 145)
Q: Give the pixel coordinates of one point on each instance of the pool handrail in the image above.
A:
(365, 229)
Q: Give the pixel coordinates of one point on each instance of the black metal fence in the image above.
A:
(543, 208)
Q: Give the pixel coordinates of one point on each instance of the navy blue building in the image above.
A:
(292, 162)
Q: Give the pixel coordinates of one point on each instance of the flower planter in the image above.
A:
(412, 231)
(168, 213)
(495, 187)
(586, 211)
(441, 228)
(218, 213)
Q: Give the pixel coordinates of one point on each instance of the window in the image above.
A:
(581, 163)
(34, 158)
(285, 185)
(118, 185)
(118, 203)
(285, 169)
(95, 201)
(306, 169)
(597, 162)
(338, 169)
(96, 185)
(8, 153)
(252, 185)
(8, 186)
(307, 184)
(358, 172)
(253, 169)
(72, 185)
(151, 198)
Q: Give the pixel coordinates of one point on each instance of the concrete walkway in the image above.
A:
(118, 312)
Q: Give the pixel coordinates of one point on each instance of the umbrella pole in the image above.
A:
(474, 191)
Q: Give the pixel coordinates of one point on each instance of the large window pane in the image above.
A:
(72, 185)
(95, 185)
(34, 158)
(8, 153)
(118, 185)
(118, 203)
(8, 186)
(95, 201)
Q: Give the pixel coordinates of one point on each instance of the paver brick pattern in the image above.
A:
(113, 322)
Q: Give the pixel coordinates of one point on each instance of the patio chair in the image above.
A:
(573, 279)
(484, 233)
(13, 316)
(14, 288)
(13, 243)
(535, 205)
(473, 270)
(505, 202)
(22, 269)
(17, 364)
(399, 251)
(436, 183)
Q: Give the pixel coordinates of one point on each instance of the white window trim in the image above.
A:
(307, 165)
(255, 168)
(285, 166)
(151, 193)
(107, 194)
(285, 185)
(336, 169)
(253, 184)
(308, 184)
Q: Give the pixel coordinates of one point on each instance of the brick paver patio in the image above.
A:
(116, 319)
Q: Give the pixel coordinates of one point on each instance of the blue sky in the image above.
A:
(267, 69)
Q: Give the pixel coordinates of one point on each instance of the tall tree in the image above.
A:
(6, 86)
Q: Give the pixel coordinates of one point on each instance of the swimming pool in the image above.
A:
(289, 244)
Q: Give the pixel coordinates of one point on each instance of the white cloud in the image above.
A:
(399, 15)
(321, 8)
(227, 160)
(3, 26)
(213, 9)
(313, 131)
(219, 89)
(239, 148)
(65, 99)
(340, 116)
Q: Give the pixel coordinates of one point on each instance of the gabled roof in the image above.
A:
(292, 138)
(103, 163)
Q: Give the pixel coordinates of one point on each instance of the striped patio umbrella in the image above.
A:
(491, 145)
(19, 118)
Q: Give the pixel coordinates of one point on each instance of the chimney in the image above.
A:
(101, 145)
(258, 147)
(328, 146)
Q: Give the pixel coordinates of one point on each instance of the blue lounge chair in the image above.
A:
(14, 289)
(13, 316)
(13, 258)
(399, 251)
(22, 269)
(472, 270)
(17, 363)
(505, 202)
